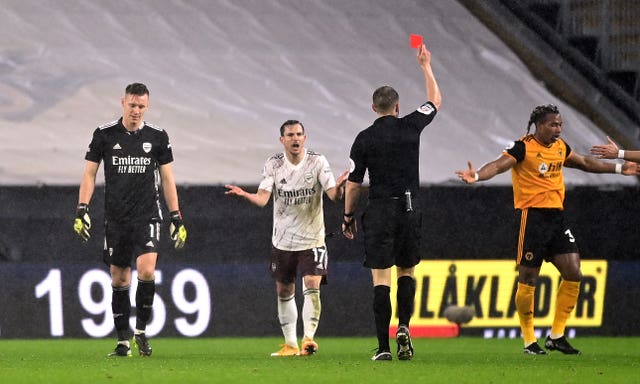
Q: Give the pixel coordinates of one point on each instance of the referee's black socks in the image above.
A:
(405, 296)
(382, 315)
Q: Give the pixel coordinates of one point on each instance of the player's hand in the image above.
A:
(468, 175)
(342, 179)
(629, 168)
(606, 151)
(82, 223)
(177, 230)
(340, 185)
(234, 190)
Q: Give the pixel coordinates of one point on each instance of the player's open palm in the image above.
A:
(234, 190)
(467, 175)
(630, 168)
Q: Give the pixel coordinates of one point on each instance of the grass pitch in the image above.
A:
(339, 360)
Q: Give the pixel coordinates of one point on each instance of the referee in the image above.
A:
(390, 150)
(135, 154)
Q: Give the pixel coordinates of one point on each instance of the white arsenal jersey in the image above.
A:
(298, 220)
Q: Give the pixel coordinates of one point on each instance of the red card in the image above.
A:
(416, 41)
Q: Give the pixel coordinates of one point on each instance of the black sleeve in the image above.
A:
(357, 160)
(421, 117)
(517, 150)
(165, 154)
(566, 156)
(95, 152)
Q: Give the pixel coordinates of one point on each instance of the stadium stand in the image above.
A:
(606, 33)
(224, 75)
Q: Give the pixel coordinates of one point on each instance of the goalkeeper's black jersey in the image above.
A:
(131, 162)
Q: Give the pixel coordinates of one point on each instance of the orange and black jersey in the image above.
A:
(537, 176)
(131, 162)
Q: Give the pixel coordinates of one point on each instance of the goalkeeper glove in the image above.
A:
(82, 224)
(177, 230)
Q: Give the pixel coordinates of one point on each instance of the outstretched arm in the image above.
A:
(593, 165)
(431, 85)
(487, 171)
(611, 151)
(260, 198)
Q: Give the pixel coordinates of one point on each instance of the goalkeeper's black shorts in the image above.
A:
(125, 242)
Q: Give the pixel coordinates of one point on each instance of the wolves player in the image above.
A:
(296, 178)
(134, 153)
(536, 162)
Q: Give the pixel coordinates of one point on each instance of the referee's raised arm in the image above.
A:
(431, 85)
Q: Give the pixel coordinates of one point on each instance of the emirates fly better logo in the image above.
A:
(130, 164)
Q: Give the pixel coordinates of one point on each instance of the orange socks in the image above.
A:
(524, 305)
(565, 303)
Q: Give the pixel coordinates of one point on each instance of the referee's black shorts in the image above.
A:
(542, 234)
(391, 234)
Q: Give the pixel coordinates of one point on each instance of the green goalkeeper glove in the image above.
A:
(177, 230)
(82, 224)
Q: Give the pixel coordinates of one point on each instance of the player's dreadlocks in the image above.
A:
(539, 113)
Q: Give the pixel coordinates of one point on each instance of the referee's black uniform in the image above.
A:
(390, 150)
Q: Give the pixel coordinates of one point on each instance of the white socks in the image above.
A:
(311, 311)
(288, 316)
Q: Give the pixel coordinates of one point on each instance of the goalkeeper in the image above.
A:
(134, 153)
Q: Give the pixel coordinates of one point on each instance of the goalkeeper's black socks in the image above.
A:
(405, 296)
(144, 302)
(382, 315)
(121, 306)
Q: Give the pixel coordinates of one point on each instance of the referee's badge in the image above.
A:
(426, 109)
(146, 147)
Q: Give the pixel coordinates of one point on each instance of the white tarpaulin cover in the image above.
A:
(224, 74)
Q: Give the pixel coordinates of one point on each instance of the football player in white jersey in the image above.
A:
(296, 178)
